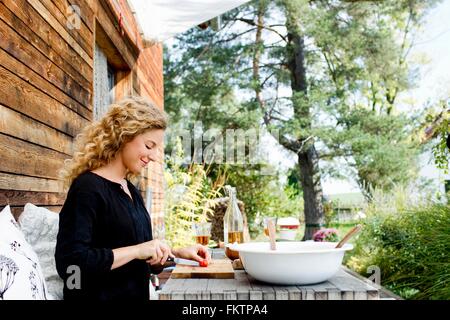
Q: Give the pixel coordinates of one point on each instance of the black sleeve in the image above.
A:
(74, 241)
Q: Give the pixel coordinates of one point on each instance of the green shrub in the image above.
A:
(189, 197)
(264, 195)
(411, 247)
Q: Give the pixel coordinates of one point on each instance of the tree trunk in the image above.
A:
(308, 159)
(308, 162)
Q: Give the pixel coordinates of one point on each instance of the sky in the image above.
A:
(434, 42)
(435, 76)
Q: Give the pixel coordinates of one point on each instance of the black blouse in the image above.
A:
(99, 216)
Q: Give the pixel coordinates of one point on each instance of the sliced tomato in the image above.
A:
(204, 263)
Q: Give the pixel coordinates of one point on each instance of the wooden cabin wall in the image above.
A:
(46, 90)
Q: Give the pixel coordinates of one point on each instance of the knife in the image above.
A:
(184, 261)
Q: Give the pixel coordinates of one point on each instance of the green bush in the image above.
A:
(189, 197)
(263, 194)
(410, 246)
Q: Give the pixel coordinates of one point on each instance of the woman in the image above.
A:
(104, 229)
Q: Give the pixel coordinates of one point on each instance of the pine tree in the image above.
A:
(325, 74)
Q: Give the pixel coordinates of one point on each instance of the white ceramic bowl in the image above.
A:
(293, 263)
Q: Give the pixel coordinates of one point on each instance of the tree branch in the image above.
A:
(332, 155)
(235, 36)
(252, 23)
(267, 78)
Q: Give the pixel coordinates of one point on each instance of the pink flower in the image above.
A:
(328, 235)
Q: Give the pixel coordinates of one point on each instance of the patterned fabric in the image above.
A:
(40, 228)
(8, 270)
(21, 276)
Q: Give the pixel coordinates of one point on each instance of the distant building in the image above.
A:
(346, 207)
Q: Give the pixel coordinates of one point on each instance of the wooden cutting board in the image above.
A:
(217, 269)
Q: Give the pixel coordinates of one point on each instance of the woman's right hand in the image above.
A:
(154, 251)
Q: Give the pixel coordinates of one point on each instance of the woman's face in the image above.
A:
(144, 148)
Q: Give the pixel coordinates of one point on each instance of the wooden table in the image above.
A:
(343, 286)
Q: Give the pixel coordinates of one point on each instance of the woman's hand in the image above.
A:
(196, 252)
(154, 251)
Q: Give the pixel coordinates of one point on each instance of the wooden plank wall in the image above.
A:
(46, 90)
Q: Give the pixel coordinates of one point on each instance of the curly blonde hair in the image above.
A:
(99, 142)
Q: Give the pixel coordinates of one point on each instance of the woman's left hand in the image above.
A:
(196, 252)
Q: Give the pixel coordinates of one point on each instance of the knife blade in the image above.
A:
(184, 261)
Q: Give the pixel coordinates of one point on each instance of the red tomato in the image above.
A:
(204, 263)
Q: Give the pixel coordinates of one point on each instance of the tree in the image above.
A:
(438, 126)
(262, 194)
(325, 74)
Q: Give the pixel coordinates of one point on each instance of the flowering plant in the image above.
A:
(329, 235)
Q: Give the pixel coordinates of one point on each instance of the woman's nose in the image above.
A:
(153, 155)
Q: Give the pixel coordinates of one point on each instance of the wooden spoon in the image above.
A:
(272, 234)
(349, 234)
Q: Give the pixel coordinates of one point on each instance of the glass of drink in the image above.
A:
(266, 224)
(236, 236)
(202, 232)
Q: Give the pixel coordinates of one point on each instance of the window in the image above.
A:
(112, 76)
(104, 83)
(111, 83)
